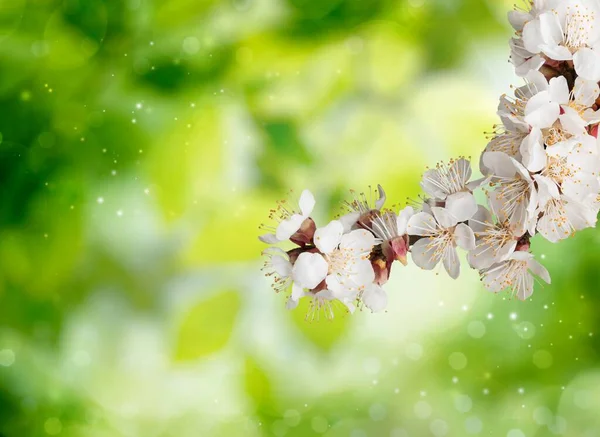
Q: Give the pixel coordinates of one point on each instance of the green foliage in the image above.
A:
(207, 327)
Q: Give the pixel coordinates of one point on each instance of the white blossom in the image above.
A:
(450, 182)
(569, 31)
(342, 263)
(516, 274)
(514, 191)
(441, 234)
(495, 241)
(289, 220)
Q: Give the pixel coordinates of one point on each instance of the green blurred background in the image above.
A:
(141, 145)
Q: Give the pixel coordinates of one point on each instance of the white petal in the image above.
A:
(532, 36)
(432, 185)
(424, 254)
(451, 262)
(464, 237)
(532, 151)
(539, 270)
(518, 19)
(524, 287)
(359, 240)
(375, 298)
(559, 90)
(461, 171)
(349, 220)
(268, 239)
(297, 292)
(540, 112)
(444, 217)
(550, 28)
(403, 218)
(587, 64)
(532, 64)
(547, 189)
(499, 163)
(556, 52)
(289, 227)
(328, 237)
(381, 201)
(481, 220)
(585, 92)
(422, 223)
(281, 265)
(461, 205)
(306, 203)
(494, 278)
(572, 122)
(291, 304)
(309, 270)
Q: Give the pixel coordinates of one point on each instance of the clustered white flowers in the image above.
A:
(540, 176)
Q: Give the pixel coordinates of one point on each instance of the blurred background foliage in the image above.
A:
(142, 143)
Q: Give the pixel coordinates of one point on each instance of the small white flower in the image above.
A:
(279, 267)
(568, 32)
(561, 216)
(575, 106)
(514, 191)
(342, 265)
(495, 241)
(523, 60)
(573, 166)
(289, 220)
(515, 274)
(531, 106)
(441, 234)
(390, 229)
(532, 9)
(362, 209)
(451, 183)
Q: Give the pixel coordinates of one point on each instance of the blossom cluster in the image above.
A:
(539, 176)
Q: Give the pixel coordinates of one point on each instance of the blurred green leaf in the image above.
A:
(207, 326)
(257, 384)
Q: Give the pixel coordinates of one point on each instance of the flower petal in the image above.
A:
(559, 90)
(375, 298)
(461, 205)
(451, 262)
(359, 240)
(540, 111)
(268, 238)
(481, 219)
(539, 270)
(533, 152)
(422, 224)
(328, 237)
(424, 254)
(381, 201)
(444, 217)
(587, 64)
(403, 218)
(289, 227)
(306, 203)
(464, 237)
(310, 269)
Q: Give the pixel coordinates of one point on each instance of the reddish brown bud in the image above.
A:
(396, 249)
(305, 234)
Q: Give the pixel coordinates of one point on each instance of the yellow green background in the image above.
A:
(141, 145)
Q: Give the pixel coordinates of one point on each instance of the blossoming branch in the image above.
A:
(540, 176)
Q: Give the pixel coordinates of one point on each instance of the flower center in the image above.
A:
(578, 27)
(558, 169)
